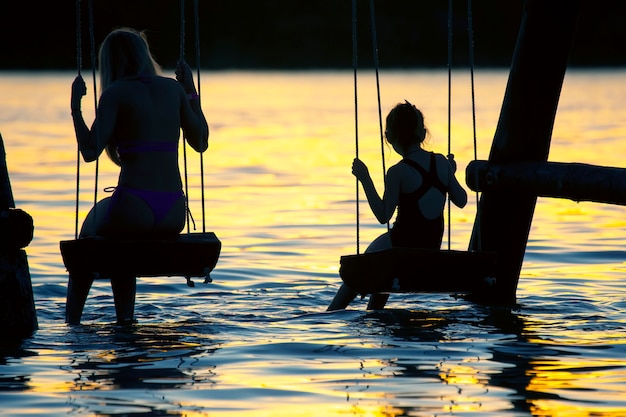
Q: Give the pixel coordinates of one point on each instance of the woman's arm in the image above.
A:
(91, 142)
(194, 124)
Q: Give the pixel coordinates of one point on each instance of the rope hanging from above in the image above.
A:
(470, 31)
(182, 58)
(356, 114)
(198, 89)
(376, 65)
(356, 108)
(449, 110)
(79, 72)
(197, 33)
(79, 65)
(92, 43)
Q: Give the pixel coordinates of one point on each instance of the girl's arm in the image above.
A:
(382, 208)
(457, 193)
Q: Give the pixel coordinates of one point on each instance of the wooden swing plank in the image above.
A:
(406, 270)
(187, 255)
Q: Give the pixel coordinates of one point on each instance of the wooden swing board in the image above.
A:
(406, 270)
(187, 255)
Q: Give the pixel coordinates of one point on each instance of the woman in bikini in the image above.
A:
(138, 122)
(417, 186)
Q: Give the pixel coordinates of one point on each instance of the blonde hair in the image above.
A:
(125, 53)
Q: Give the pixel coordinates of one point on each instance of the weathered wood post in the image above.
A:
(523, 133)
(576, 181)
(17, 307)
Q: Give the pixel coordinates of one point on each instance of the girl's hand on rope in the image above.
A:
(79, 89)
(452, 162)
(359, 170)
(185, 77)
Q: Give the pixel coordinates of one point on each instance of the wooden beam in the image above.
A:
(574, 181)
(524, 132)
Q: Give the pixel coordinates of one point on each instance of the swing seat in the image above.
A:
(408, 270)
(186, 255)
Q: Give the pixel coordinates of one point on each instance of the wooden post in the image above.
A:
(18, 318)
(523, 133)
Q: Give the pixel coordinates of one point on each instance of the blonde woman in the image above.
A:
(138, 121)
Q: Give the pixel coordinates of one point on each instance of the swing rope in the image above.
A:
(95, 95)
(182, 58)
(380, 114)
(470, 29)
(449, 108)
(95, 107)
(79, 66)
(356, 113)
(197, 32)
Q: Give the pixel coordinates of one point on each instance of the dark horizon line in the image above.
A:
(323, 68)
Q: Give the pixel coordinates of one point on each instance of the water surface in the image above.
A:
(280, 196)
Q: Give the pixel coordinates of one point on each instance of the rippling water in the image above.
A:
(279, 194)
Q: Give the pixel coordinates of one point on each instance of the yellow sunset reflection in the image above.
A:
(581, 382)
(279, 193)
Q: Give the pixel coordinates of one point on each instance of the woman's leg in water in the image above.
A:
(124, 290)
(77, 290)
(78, 286)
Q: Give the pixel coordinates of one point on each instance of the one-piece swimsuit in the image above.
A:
(411, 229)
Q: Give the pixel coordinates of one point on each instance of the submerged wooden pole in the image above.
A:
(575, 181)
(524, 133)
(17, 307)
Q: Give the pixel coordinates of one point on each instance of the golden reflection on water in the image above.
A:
(278, 182)
(600, 381)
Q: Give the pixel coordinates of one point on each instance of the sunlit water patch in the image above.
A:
(279, 194)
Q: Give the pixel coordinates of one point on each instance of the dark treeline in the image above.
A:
(297, 34)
